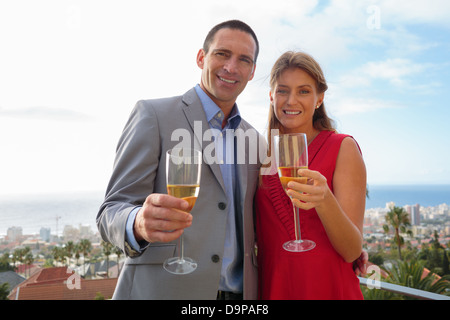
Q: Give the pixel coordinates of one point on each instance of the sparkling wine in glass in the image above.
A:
(291, 154)
(183, 166)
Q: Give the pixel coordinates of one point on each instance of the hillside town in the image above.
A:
(424, 223)
(78, 265)
(74, 266)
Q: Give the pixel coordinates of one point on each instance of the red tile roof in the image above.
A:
(59, 284)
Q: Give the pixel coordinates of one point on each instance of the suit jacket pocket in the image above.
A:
(154, 254)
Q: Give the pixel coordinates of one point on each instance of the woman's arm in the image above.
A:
(341, 213)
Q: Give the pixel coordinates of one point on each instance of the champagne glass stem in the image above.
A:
(298, 233)
(181, 255)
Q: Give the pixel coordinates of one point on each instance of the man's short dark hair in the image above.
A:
(230, 24)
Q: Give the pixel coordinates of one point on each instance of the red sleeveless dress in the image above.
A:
(318, 274)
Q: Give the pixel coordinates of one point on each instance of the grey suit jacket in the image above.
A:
(139, 170)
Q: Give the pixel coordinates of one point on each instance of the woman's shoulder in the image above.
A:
(344, 140)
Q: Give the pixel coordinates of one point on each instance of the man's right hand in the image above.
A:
(161, 219)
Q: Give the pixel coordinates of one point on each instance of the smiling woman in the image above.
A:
(330, 205)
(300, 92)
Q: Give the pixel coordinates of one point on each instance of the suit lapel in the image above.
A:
(195, 115)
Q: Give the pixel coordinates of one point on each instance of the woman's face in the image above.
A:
(294, 100)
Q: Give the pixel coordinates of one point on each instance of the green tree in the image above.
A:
(411, 274)
(118, 253)
(445, 264)
(16, 257)
(99, 296)
(28, 260)
(408, 274)
(398, 219)
(5, 262)
(85, 247)
(4, 291)
(77, 252)
(22, 255)
(70, 248)
(107, 251)
(59, 254)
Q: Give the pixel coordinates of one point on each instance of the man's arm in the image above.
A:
(132, 179)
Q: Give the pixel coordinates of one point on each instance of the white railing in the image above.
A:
(395, 288)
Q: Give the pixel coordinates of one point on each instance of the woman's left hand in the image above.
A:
(310, 195)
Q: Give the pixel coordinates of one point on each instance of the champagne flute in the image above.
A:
(291, 154)
(183, 168)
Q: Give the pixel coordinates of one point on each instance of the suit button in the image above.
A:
(215, 258)
(222, 205)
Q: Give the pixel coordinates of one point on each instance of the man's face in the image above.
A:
(228, 66)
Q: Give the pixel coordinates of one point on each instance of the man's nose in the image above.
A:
(231, 65)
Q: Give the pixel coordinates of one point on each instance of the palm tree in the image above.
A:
(59, 254)
(77, 251)
(28, 259)
(107, 250)
(16, 257)
(22, 255)
(397, 218)
(118, 253)
(411, 274)
(70, 248)
(86, 247)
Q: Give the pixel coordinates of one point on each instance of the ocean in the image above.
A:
(401, 195)
(54, 211)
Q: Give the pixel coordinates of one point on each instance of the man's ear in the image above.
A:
(201, 58)
(253, 72)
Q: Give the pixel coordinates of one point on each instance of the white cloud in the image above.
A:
(346, 104)
(398, 72)
(47, 113)
(97, 58)
(434, 12)
(393, 70)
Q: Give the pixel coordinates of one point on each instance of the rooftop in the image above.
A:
(61, 283)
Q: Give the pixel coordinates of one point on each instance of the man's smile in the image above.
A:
(227, 80)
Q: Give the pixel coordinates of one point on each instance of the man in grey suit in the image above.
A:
(141, 219)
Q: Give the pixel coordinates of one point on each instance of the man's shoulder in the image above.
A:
(188, 98)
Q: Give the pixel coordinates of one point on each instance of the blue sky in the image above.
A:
(71, 71)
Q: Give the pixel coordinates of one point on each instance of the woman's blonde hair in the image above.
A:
(301, 60)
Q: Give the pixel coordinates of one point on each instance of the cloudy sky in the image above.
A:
(71, 71)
